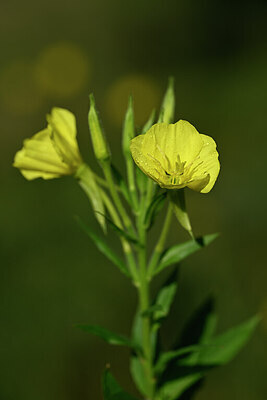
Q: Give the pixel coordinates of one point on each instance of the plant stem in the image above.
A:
(125, 245)
(114, 194)
(144, 301)
(161, 242)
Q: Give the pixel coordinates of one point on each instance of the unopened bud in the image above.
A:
(168, 104)
(99, 141)
(128, 129)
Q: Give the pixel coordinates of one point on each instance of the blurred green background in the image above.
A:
(53, 53)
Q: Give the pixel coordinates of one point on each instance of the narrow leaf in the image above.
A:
(179, 252)
(172, 390)
(108, 336)
(154, 208)
(164, 301)
(103, 247)
(223, 348)
(112, 390)
(218, 351)
(199, 329)
(168, 356)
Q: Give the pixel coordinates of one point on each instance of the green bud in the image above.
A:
(149, 122)
(128, 129)
(168, 104)
(99, 141)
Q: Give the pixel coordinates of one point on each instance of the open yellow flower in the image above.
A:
(54, 151)
(177, 155)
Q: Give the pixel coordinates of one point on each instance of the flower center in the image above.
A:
(182, 173)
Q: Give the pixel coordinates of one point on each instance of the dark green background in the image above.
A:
(51, 275)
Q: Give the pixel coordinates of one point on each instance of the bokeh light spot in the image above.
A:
(62, 70)
(146, 95)
(18, 91)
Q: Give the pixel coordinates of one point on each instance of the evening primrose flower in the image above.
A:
(176, 156)
(52, 152)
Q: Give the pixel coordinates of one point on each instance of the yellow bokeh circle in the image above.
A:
(62, 70)
(146, 96)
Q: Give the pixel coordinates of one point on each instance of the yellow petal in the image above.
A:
(176, 139)
(38, 158)
(63, 126)
(162, 147)
(208, 157)
(147, 164)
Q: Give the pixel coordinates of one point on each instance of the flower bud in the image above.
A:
(128, 129)
(100, 145)
(168, 104)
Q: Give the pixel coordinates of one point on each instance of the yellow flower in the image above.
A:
(176, 155)
(54, 151)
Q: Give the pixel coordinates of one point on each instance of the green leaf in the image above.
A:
(154, 208)
(196, 333)
(168, 356)
(215, 352)
(177, 198)
(108, 336)
(121, 183)
(179, 252)
(223, 348)
(104, 248)
(172, 390)
(112, 390)
(164, 301)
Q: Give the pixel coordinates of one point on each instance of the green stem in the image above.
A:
(144, 303)
(114, 194)
(125, 245)
(161, 242)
